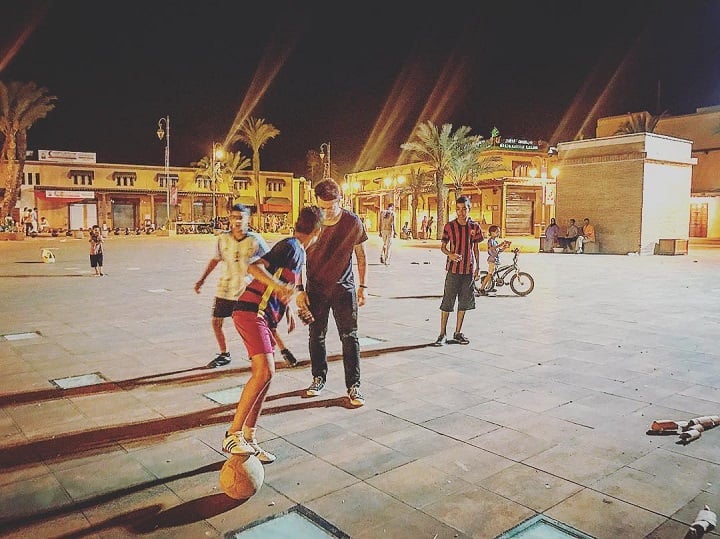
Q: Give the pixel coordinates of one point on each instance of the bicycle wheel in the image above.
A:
(522, 283)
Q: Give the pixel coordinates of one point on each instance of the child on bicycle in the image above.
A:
(494, 248)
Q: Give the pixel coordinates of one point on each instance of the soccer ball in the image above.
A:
(241, 476)
(47, 256)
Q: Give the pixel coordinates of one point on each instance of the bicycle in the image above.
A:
(521, 283)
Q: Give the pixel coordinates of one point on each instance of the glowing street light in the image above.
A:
(217, 153)
(163, 127)
(325, 151)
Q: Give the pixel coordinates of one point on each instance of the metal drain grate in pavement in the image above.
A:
(542, 527)
(21, 336)
(81, 380)
(298, 522)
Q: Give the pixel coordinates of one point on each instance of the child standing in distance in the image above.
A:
(494, 249)
(96, 250)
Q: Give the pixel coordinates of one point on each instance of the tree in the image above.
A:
(225, 169)
(255, 132)
(438, 148)
(21, 105)
(640, 122)
(467, 163)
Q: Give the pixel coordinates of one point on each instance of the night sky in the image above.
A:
(357, 74)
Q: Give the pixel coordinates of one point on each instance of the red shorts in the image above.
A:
(255, 333)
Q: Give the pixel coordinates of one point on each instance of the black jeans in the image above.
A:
(343, 303)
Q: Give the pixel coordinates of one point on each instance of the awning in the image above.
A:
(276, 205)
(246, 201)
(124, 174)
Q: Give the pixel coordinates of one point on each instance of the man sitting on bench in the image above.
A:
(587, 236)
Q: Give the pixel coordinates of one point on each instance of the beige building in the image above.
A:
(635, 189)
(74, 192)
(520, 196)
(703, 129)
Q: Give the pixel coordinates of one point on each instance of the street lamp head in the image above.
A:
(555, 172)
(401, 180)
(161, 131)
(387, 181)
(218, 151)
(533, 172)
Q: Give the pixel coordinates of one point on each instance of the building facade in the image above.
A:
(519, 196)
(72, 191)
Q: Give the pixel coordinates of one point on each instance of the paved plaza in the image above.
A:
(544, 412)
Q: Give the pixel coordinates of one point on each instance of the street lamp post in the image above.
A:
(161, 133)
(325, 151)
(216, 153)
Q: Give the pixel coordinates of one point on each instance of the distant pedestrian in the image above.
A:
(27, 221)
(387, 232)
(331, 286)
(423, 227)
(235, 249)
(428, 228)
(460, 243)
(96, 250)
(258, 311)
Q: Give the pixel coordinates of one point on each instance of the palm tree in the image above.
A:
(21, 105)
(225, 169)
(467, 163)
(438, 148)
(255, 132)
(640, 122)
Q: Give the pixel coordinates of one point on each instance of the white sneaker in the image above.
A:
(236, 445)
(316, 387)
(263, 456)
(356, 398)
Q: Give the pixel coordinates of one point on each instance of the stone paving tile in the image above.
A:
(530, 487)
(479, 513)
(418, 484)
(604, 517)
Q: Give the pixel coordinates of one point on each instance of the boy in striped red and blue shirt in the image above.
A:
(460, 243)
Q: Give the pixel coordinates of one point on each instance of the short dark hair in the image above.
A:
(493, 228)
(328, 189)
(241, 208)
(308, 220)
(462, 199)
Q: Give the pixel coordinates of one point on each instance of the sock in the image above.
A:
(249, 433)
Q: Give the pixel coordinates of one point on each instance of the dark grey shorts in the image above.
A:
(223, 308)
(458, 286)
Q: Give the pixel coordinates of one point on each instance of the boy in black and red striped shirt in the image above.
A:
(460, 242)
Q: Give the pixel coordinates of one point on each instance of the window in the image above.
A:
(82, 177)
(274, 185)
(162, 179)
(31, 178)
(241, 182)
(125, 179)
(521, 169)
(203, 183)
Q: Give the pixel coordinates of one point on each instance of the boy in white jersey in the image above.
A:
(236, 248)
